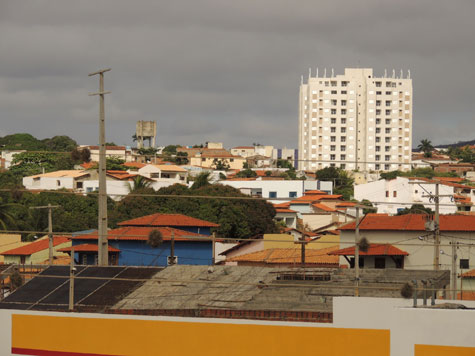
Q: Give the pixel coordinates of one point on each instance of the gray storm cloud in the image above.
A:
(219, 70)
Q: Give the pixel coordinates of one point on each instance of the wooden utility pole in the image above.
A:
(436, 230)
(103, 250)
(213, 241)
(50, 228)
(172, 249)
(71, 280)
(357, 253)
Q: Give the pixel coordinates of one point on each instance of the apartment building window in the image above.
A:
(327, 84)
(332, 165)
(395, 194)
(333, 111)
(343, 129)
(344, 83)
(333, 138)
(378, 93)
(272, 194)
(343, 139)
(343, 111)
(377, 167)
(334, 92)
(388, 121)
(377, 148)
(377, 157)
(378, 130)
(334, 83)
(343, 92)
(387, 130)
(378, 121)
(388, 84)
(342, 148)
(378, 139)
(388, 112)
(332, 157)
(334, 102)
(378, 111)
(343, 103)
(332, 129)
(333, 120)
(378, 102)
(343, 166)
(387, 158)
(342, 157)
(378, 84)
(388, 102)
(332, 148)
(387, 139)
(343, 120)
(386, 167)
(387, 193)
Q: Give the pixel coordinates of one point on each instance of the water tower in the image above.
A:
(146, 130)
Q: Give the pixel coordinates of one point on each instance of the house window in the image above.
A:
(352, 262)
(380, 262)
(79, 185)
(292, 194)
(22, 260)
(395, 194)
(58, 183)
(203, 159)
(272, 194)
(464, 263)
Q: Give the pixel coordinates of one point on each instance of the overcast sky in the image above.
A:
(222, 70)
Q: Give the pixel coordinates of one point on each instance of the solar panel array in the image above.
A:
(97, 288)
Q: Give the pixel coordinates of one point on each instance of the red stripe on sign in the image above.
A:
(34, 352)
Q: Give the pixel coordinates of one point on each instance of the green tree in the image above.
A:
(22, 141)
(170, 149)
(31, 163)
(140, 183)
(201, 180)
(60, 143)
(220, 164)
(416, 209)
(284, 163)
(246, 173)
(426, 147)
(342, 182)
(6, 217)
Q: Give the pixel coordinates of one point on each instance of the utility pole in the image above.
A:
(213, 241)
(172, 249)
(454, 270)
(436, 230)
(71, 280)
(103, 249)
(50, 228)
(357, 253)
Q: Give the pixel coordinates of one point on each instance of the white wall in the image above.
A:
(49, 183)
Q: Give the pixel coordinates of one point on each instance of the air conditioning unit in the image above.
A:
(172, 260)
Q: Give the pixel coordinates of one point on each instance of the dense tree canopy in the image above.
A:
(24, 141)
(342, 182)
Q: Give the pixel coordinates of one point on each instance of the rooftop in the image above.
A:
(87, 248)
(35, 247)
(167, 220)
(73, 173)
(373, 250)
(412, 222)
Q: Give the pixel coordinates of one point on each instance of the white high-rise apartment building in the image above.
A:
(356, 121)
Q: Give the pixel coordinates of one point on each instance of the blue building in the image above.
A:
(128, 244)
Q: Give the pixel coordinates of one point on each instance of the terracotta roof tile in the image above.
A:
(289, 255)
(167, 220)
(140, 233)
(323, 207)
(36, 246)
(373, 250)
(412, 222)
(134, 164)
(469, 274)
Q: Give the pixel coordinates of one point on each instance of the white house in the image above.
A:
(66, 179)
(280, 190)
(406, 241)
(164, 173)
(8, 155)
(391, 196)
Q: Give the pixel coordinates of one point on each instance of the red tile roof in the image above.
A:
(345, 204)
(373, 250)
(87, 248)
(281, 205)
(469, 274)
(140, 233)
(167, 220)
(412, 222)
(134, 164)
(289, 255)
(323, 207)
(284, 210)
(315, 192)
(36, 246)
(88, 165)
